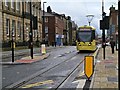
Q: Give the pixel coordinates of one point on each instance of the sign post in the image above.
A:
(89, 66)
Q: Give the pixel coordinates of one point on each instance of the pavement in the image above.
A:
(106, 70)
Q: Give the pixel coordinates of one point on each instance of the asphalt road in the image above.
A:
(51, 71)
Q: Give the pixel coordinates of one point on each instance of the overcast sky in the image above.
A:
(78, 9)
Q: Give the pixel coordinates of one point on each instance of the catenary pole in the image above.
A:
(103, 31)
(118, 37)
(43, 27)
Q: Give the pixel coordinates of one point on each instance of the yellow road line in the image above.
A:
(38, 84)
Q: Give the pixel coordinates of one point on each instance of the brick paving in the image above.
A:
(106, 70)
(35, 59)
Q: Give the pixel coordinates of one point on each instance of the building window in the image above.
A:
(6, 3)
(56, 29)
(13, 27)
(12, 4)
(19, 28)
(46, 29)
(117, 19)
(56, 20)
(27, 7)
(7, 27)
(46, 19)
(17, 5)
(27, 29)
(34, 10)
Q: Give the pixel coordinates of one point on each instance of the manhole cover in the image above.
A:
(110, 66)
(113, 79)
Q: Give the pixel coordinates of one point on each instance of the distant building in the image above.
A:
(54, 26)
(74, 29)
(113, 23)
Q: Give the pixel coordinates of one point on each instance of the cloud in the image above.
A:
(78, 9)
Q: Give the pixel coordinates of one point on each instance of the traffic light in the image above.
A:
(104, 24)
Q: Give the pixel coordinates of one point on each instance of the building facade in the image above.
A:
(0, 21)
(16, 21)
(113, 22)
(74, 29)
(113, 25)
(54, 26)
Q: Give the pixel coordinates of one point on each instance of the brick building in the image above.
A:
(16, 22)
(113, 24)
(54, 27)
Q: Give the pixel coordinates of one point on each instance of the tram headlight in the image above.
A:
(89, 44)
(79, 44)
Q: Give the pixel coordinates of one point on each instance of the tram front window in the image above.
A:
(84, 36)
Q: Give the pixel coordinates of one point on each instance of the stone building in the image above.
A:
(16, 22)
(0, 21)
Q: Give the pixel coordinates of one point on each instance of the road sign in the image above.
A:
(89, 66)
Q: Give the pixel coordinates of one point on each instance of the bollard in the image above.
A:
(89, 66)
(43, 49)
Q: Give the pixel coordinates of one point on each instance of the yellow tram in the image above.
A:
(86, 38)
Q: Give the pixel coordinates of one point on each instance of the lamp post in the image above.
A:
(12, 46)
(31, 33)
(43, 26)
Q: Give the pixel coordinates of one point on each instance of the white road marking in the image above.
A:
(18, 72)
(81, 83)
(4, 78)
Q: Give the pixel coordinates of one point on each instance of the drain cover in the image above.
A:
(113, 79)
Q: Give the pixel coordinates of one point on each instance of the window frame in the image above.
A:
(12, 4)
(7, 26)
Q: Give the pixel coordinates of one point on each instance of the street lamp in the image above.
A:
(89, 17)
(43, 27)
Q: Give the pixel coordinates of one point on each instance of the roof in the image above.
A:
(87, 27)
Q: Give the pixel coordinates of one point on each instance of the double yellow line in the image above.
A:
(38, 84)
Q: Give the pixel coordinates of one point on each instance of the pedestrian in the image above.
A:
(55, 43)
(112, 43)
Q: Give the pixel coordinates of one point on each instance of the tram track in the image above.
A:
(61, 85)
(25, 80)
(35, 75)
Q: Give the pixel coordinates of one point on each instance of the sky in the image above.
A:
(79, 9)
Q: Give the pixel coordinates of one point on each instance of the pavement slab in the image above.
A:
(105, 71)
